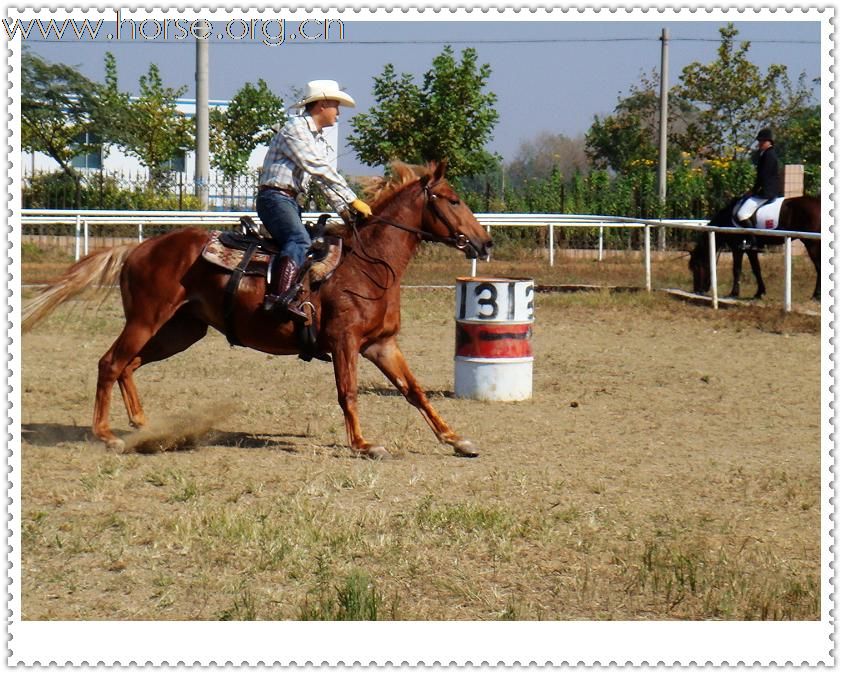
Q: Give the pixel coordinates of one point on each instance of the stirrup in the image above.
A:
(286, 303)
(297, 313)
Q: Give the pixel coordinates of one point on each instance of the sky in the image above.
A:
(549, 76)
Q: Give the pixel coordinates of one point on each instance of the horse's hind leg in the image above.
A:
(175, 336)
(387, 356)
(111, 367)
(130, 397)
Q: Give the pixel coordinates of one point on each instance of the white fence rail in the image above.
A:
(80, 224)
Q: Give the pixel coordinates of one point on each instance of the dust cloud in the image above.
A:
(180, 431)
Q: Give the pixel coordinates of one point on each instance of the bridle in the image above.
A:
(455, 239)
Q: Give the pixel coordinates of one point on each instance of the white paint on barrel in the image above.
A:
(493, 359)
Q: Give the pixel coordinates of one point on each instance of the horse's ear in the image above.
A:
(441, 168)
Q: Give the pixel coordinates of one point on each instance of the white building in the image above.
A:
(114, 160)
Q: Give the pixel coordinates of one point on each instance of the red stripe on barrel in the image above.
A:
(479, 340)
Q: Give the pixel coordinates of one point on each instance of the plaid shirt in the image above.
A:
(297, 154)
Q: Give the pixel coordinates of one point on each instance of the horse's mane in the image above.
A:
(379, 189)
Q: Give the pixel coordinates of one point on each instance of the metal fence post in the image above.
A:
(552, 247)
(85, 222)
(647, 252)
(140, 232)
(78, 237)
(601, 235)
(714, 283)
(787, 274)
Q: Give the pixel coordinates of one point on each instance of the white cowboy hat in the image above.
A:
(327, 90)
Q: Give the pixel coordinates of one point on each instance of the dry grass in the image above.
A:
(649, 478)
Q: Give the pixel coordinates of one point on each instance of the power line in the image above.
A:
(323, 42)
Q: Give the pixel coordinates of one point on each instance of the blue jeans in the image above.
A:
(281, 215)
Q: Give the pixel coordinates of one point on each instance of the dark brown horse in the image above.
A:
(798, 214)
(171, 295)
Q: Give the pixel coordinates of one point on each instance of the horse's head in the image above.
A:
(448, 218)
(699, 257)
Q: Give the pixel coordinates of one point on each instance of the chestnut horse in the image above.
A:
(798, 214)
(171, 295)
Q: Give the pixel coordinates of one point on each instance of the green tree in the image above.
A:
(630, 136)
(735, 99)
(547, 152)
(449, 116)
(149, 126)
(798, 140)
(246, 123)
(55, 111)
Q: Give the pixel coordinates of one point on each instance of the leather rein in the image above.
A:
(457, 240)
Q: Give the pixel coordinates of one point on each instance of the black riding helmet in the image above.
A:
(765, 134)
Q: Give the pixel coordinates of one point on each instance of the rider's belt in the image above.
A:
(288, 191)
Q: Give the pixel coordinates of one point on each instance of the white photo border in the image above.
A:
(412, 643)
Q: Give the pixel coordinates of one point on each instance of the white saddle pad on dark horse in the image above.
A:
(765, 217)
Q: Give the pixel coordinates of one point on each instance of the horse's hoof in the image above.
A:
(377, 453)
(465, 448)
(115, 445)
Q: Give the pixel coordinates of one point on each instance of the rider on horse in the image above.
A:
(767, 184)
(298, 154)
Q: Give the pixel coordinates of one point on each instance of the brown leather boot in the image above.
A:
(288, 287)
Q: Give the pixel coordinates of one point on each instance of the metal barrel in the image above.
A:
(493, 359)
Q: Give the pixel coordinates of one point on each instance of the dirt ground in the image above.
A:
(667, 467)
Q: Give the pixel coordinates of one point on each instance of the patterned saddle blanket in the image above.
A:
(227, 249)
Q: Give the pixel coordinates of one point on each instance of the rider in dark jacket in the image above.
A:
(768, 181)
(767, 184)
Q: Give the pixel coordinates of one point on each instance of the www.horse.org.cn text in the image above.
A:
(271, 32)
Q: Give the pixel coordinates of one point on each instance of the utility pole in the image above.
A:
(202, 172)
(662, 143)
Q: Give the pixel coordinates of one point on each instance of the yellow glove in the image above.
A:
(361, 207)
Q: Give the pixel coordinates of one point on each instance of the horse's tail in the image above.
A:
(99, 270)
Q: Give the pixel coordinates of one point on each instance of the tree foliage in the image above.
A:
(246, 123)
(735, 99)
(55, 110)
(630, 136)
(799, 137)
(449, 116)
(547, 152)
(149, 126)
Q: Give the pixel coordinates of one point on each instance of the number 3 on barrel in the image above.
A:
(495, 301)
(487, 305)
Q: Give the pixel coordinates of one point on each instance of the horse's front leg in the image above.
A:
(387, 356)
(345, 372)
(754, 261)
(737, 271)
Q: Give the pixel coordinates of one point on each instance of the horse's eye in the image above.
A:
(454, 202)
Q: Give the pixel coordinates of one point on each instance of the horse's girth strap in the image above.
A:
(231, 293)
